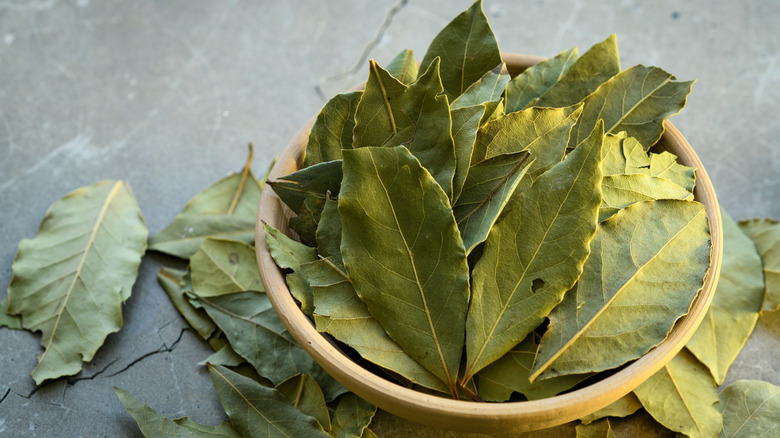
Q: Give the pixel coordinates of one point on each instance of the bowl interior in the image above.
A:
(469, 416)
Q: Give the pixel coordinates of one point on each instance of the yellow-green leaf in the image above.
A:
(290, 254)
(403, 67)
(400, 244)
(69, 282)
(332, 130)
(680, 396)
(329, 232)
(173, 282)
(537, 79)
(353, 415)
(465, 123)
(750, 408)
(305, 395)
(224, 266)
(598, 429)
(623, 407)
(734, 311)
(620, 191)
(13, 322)
(487, 89)
(765, 233)
(647, 263)
(534, 255)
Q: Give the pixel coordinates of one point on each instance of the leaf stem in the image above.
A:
(242, 183)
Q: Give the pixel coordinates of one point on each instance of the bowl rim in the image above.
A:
(468, 416)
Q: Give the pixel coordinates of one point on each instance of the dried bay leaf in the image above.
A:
(583, 77)
(750, 408)
(258, 411)
(319, 180)
(340, 312)
(465, 123)
(598, 429)
(620, 191)
(636, 100)
(224, 266)
(487, 89)
(290, 254)
(680, 396)
(765, 233)
(625, 155)
(537, 79)
(400, 246)
(225, 209)
(403, 67)
(173, 282)
(467, 48)
(534, 255)
(486, 191)
(623, 407)
(256, 333)
(306, 222)
(734, 311)
(70, 281)
(332, 130)
(152, 424)
(328, 234)
(353, 415)
(13, 322)
(618, 310)
(225, 356)
(306, 396)
(380, 119)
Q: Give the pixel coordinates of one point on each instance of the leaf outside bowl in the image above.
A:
(468, 416)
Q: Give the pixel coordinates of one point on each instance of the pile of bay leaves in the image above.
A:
(460, 232)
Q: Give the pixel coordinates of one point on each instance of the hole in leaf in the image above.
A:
(537, 284)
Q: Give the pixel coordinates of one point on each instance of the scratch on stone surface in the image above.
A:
(366, 50)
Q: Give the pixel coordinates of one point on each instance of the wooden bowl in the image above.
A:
(468, 416)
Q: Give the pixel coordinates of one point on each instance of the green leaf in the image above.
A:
(173, 282)
(497, 381)
(320, 180)
(734, 311)
(224, 266)
(465, 123)
(598, 429)
(307, 221)
(332, 130)
(400, 244)
(329, 232)
(487, 189)
(403, 67)
(487, 89)
(154, 425)
(765, 233)
(289, 254)
(305, 395)
(257, 334)
(258, 411)
(225, 209)
(352, 417)
(537, 79)
(750, 408)
(13, 322)
(225, 356)
(339, 312)
(681, 395)
(620, 191)
(467, 48)
(534, 255)
(637, 101)
(584, 76)
(665, 165)
(623, 407)
(625, 155)
(380, 118)
(69, 282)
(618, 310)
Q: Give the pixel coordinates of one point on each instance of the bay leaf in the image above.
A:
(584, 76)
(493, 110)
(380, 118)
(734, 310)
(534, 255)
(257, 335)
(306, 222)
(306, 396)
(750, 408)
(225, 356)
(488, 88)
(614, 157)
(172, 281)
(400, 246)
(403, 67)
(339, 312)
(765, 233)
(620, 191)
(13, 322)
(320, 180)
(225, 209)
(618, 310)
(597, 429)
(623, 407)
(680, 396)
(70, 281)
(152, 424)
(332, 129)
(290, 254)
(224, 266)
(665, 165)
(625, 155)
(487, 189)
(258, 411)
(353, 415)
(468, 49)
(636, 100)
(465, 123)
(329, 232)
(537, 79)
(509, 374)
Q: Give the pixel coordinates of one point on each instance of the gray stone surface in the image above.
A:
(166, 95)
